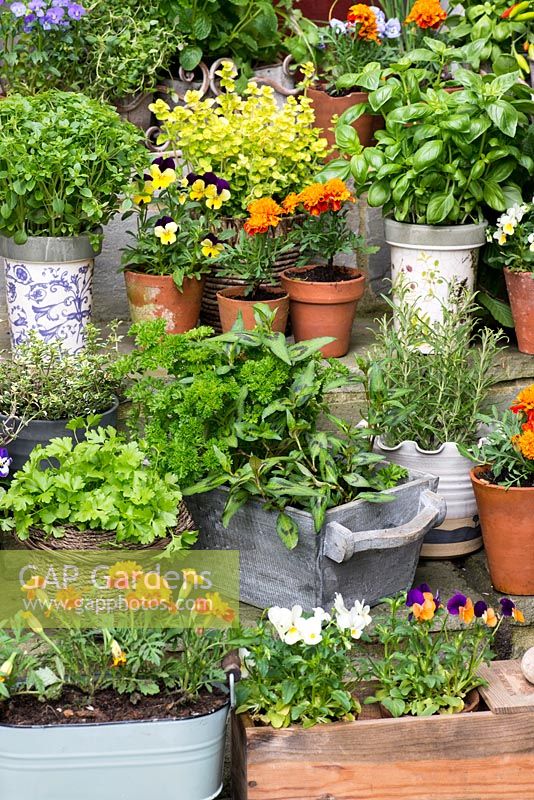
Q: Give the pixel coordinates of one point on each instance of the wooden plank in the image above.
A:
(478, 756)
(508, 691)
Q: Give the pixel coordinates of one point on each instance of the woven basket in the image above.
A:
(209, 313)
(74, 539)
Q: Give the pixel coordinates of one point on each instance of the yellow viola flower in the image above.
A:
(197, 190)
(165, 230)
(7, 667)
(145, 196)
(211, 247)
(162, 180)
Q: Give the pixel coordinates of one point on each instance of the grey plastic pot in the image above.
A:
(428, 259)
(365, 550)
(117, 761)
(41, 431)
(49, 288)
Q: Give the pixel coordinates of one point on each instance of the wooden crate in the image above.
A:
(484, 755)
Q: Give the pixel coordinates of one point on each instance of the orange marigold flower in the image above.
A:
(365, 18)
(467, 613)
(264, 213)
(524, 442)
(338, 193)
(524, 400)
(291, 202)
(427, 14)
(321, 197)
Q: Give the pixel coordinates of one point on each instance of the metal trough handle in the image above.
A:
(340, 543)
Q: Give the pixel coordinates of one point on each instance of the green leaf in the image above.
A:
(499, 310)
(337, 168)
(504, 116)
(428, 154)
(359, 168)
(493, 195)
(190, 57)
(351, 114)
(395, 706)
(287, 530)
(202, 26)
(439, 207)
(381, 96)
(347, 139)
(379, 193)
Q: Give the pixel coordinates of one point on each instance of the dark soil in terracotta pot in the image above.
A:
(262, 295)
(322, 274)
(74, 708)
(486, 474)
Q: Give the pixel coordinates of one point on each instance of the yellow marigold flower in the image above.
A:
(68, 598)
(524, 442)
(123, 573)
(7, 667)
(31, 588)
(365, 18)
(427, 14)
(118, 655)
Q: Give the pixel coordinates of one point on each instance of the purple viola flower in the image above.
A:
(54, 15)
(163, 221)
(455, 603)
(37, 6)
(29, 22)
(76, 11)
(213, 239)
(165, 163)
(191, 177)
(415, 596)
(480, 608)
(221, 185)
(338, 26)
(18, 9)
(392, 29)
(5, 462)
(209, 178)
(380, 20)
(507, 606)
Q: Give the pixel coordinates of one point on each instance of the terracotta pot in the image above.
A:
(507, 530)
(326, 106)
(320, 9)
(157, 296)
(323, 309)
(520, 287)
(232, 302)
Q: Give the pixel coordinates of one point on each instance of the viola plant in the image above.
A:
(295, 665)
(506, 454)
(513, 239)
(260, 149)
(39, 38)
(179, 239)
(428, 667)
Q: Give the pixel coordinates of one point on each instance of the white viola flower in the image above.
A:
(321, 615)
(517, 211)
(286, 621)
(500, 236)
(310, 630)
(508, 224)
(339, 604)
(531, 242)
(246, 660)
(392, 28)
(380, 20)
(363, 611)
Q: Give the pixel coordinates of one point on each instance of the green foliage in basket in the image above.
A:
(242, 409)
(442, 156)
(100, 484)
(65, 161)
(40, 380)
(429, 383)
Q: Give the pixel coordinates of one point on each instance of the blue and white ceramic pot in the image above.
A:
(49, 288)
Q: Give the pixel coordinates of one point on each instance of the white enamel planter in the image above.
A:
(428, 260)
(459, 533)
(49, 288)
(118, 761)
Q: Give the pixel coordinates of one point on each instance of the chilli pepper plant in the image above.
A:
(429, 667)
(242, 410)
(507, 451)
(444, 156)
(262, 150)
(296, 667)
(178, 239)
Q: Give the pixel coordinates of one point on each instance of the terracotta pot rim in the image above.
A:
(148, 277)
(358, 278)
(319, 88)
(227, 293)
(521, 274)
(476, 480)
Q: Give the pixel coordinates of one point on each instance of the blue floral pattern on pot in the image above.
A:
(53, 299)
